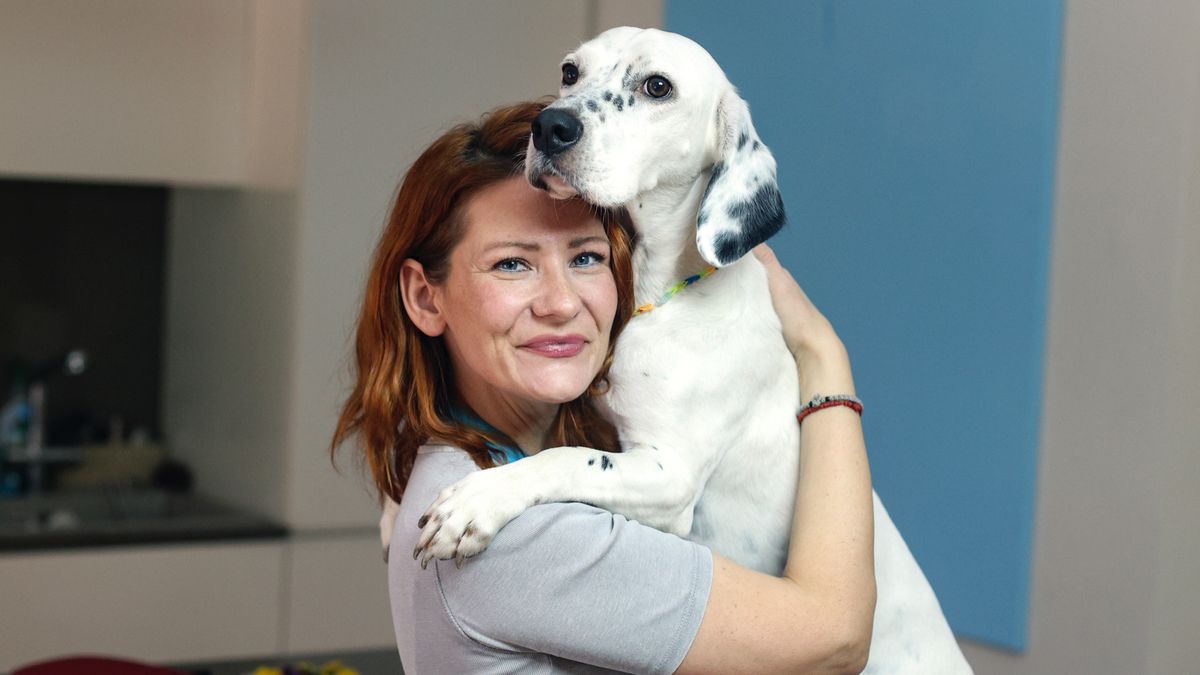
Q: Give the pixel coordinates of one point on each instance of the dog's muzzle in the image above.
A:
(555, 130)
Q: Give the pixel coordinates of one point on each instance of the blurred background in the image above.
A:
(998, 204)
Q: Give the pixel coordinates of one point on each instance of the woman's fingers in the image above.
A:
(803, 324)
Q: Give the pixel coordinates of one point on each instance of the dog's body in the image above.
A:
(703, 390)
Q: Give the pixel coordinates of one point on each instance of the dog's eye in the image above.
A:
(570, 74)
(656, 86)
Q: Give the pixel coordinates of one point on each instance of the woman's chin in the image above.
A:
(560, 390)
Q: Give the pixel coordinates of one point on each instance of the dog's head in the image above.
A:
(642, 108)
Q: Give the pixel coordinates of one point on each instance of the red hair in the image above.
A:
(403, 390)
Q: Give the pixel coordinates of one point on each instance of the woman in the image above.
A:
(487, 324)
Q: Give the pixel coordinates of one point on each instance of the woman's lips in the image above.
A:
(556, 346)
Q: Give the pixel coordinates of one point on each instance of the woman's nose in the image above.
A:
(557, 296)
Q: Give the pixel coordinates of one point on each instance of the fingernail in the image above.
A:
(422, 520)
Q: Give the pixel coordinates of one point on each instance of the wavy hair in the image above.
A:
(403, 389)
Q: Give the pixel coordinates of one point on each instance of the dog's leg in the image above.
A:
(387, 520)
(651, 485)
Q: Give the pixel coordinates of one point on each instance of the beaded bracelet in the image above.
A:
(820, 402)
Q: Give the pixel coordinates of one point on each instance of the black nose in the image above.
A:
(555, 130)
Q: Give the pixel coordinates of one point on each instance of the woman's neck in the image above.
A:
(526, 423)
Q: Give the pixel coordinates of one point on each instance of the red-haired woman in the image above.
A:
(487, 324)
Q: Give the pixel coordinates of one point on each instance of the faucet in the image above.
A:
(36, 455)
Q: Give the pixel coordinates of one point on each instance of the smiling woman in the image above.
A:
(475, 249)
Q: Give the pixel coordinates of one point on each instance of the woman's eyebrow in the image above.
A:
(589, 239)
(532, 246)
(523, 245)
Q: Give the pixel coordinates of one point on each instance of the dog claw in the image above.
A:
(416, 552)
(422, 520)
(458, 561)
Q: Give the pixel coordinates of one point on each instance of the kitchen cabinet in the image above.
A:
(192, 602)
(195, 93)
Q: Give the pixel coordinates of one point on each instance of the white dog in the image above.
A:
(703, 389)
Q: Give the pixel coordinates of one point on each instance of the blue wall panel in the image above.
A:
(916, 150)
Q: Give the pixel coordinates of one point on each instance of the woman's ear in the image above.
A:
(421, 299)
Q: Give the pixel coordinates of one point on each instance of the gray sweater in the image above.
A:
(563, 588)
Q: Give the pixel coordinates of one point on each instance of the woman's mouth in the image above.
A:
(556, 346)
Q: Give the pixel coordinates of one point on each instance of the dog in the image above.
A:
(703, 390)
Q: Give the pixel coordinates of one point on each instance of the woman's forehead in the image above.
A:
(515, 210)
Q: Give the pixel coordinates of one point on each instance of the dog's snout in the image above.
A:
(555, 130)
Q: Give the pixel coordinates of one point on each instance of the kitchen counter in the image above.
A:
(100, 518)
(370, 662)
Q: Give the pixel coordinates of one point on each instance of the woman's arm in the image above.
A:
(816, 618)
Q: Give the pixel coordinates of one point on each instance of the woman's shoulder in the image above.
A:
(437, 466)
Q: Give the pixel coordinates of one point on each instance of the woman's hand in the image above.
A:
(821, 357)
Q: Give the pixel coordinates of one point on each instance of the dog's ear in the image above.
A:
(741, 207)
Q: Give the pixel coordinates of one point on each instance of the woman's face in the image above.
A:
(529, 300)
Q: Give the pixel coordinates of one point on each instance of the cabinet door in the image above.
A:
(155, 603)
(339, 594)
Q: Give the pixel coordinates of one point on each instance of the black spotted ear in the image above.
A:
(741, 207)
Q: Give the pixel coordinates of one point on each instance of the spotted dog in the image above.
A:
(703, 389)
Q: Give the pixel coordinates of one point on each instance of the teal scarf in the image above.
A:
(502, 454)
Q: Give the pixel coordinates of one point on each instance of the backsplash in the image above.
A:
(82, 267)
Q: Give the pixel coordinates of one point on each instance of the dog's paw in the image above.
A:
(465, 517)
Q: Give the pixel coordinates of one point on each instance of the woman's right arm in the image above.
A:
(817, 617)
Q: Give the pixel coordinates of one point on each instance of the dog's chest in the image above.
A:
(708, 374)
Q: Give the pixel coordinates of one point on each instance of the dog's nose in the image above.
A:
(555, 130)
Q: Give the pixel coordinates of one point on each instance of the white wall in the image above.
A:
(229, 341)
(1115, 588)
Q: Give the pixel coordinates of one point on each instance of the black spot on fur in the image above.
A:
(591, 461)
(760, 217)
(601, 117)
(630, 102)
(756, 145)
(592, 105)
(742, 140)
(659, 465)
(619, 103)
(645, 374)
(606, 463)
(608, 95)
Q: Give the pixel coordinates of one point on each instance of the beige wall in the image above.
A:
(1115, 586)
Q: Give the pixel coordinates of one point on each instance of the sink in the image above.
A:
(123, 516)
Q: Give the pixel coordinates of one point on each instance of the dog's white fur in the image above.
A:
(704, 390)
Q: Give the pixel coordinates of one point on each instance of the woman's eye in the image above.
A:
(510, 265)
(656, 86)
(588, 259)
(570, 74)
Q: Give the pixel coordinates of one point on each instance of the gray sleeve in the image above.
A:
(583, 584)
